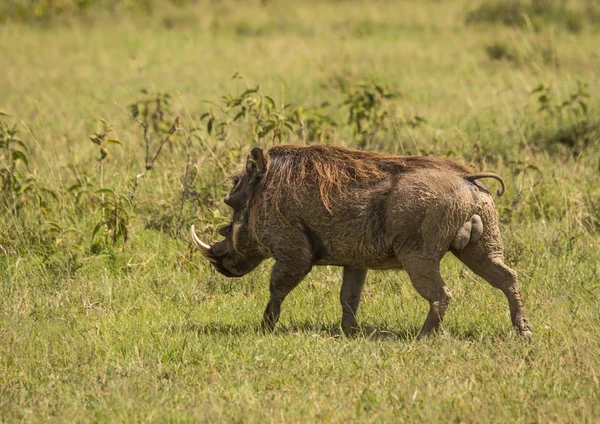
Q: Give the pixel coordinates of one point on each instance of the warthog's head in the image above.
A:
(238, 253)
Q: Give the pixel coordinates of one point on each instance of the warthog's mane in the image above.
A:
(291, 170)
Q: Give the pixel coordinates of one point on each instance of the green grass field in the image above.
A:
(107, 314)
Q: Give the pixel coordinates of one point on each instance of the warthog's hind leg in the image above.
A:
(424, 273)
(485, 257)
(492, 268)
(352, 285)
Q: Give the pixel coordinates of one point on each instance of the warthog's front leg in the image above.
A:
(284, 277)
(352, 285)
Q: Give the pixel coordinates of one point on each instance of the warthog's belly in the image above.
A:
(364, 263)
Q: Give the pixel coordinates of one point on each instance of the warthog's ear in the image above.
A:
(256, 164)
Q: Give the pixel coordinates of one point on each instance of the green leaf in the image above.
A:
(537, 89)
(53, 226)
(114, 142)
(535, 168)
(209, 125)
(127, 200)
(271, 101)
(20, 143)
(26, 187)
(19, 155)
(74, 187)
(95, 139)
(248, 92)
(2, 113)
(96, 229)
(135, 111)
(49, 192)
(239, 115)
(104, 191)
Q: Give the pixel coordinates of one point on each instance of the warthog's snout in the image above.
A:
(222, 255)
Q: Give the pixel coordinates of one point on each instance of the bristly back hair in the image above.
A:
(291, 169)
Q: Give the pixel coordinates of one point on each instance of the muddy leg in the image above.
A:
(491, 267)
(284, 277)
(352, 285)
(425, 276)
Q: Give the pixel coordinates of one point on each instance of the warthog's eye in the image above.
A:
(235, 181)
(226, 230)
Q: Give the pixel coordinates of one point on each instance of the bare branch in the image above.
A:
(150, 163)
(130, 115)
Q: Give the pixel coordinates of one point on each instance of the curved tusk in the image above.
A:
(203, 247)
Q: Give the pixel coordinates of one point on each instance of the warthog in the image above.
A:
(325, 205)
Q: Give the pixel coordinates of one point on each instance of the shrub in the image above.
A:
(571, 16)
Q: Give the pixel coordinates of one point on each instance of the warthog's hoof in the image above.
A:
(350, 326)
(350, 331)
(527, 335)
(524, 329)
(435, 331)
(268, 325)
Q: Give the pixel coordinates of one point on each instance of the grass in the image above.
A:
(143, 330)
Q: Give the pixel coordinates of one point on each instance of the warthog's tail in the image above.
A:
(471, 231)
(473, 177)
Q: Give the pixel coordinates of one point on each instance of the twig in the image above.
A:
(303, 131)
(149, 162)
(6, 166)
(187, 182)
(131, 116)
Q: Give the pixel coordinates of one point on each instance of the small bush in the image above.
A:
(576, 137)
(523, 50)
(502, 51)
(565, 125)
(45, 11)
(539, 13)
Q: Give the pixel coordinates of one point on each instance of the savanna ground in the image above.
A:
(108, 314)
